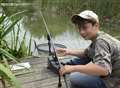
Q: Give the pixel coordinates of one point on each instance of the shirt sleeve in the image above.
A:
(102, 55)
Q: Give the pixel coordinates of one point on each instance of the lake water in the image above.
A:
(58, 21)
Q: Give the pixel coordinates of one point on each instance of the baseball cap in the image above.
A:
(86, 14)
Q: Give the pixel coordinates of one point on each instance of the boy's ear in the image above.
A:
(97, 24)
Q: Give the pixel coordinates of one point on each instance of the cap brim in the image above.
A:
(75, 18)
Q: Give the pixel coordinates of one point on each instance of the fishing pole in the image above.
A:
(54, 54)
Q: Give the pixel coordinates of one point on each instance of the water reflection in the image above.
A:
(61, 28)
(71, 40)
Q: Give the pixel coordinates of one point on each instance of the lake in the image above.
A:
(58, 20)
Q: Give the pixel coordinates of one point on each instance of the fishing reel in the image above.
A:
(53, 65)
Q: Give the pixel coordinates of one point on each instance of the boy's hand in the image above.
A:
(62, 51)
(66, 69)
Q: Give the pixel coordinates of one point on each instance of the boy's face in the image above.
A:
(88, 31)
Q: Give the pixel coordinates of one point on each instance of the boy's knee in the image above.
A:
(77, 79)
(80, 80)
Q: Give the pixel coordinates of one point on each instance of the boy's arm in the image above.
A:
(73, 52)
(78, 53)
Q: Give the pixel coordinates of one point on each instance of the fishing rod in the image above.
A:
(54, 54)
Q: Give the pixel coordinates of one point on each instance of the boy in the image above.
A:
(101, 60)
